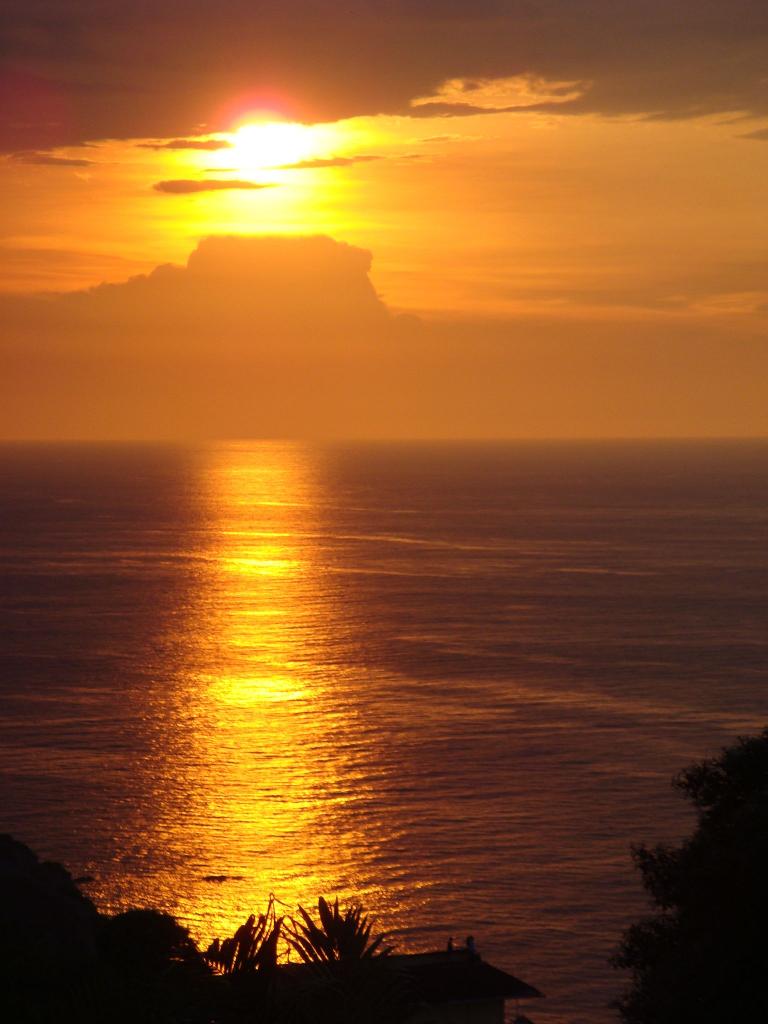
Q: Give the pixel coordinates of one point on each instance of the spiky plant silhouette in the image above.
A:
(338, 936)
(253, 948)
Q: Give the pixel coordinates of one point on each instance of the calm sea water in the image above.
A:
(452, 680)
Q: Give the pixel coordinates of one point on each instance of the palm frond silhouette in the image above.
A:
(337, 935)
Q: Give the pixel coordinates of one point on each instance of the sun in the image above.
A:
(270, 144)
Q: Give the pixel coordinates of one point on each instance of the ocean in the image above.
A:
(450, 680)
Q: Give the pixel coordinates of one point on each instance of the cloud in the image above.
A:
(80, 71)
(38, 159)
(203, 144)
(332, 161)
(441, 109)
(246, 281)
(461, 97)
(703, 284)
(761, 134)
(464, 97)
(185, 186)
(443, 138)
(279, 337)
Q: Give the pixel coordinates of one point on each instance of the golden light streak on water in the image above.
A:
(257, 706)
(253, 731)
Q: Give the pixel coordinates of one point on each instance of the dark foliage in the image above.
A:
(337, 936)
(152, 961)
(148, 942)
(62, 961)
(44, 918)
(252, 949)
(345, 974)
(373, 991)
(48, 937)
(704, 956)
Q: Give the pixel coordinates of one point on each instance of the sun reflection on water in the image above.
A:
(253, 771)
(267, 756)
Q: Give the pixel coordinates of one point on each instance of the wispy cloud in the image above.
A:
(185, 186)
(456, 110)
(462, 97)
(329, 161)
(40, 159)
(204, 144)
(344, 161)
(761, 134)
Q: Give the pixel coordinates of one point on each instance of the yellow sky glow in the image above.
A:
(578, 227)
(499, 214)
(268, 145)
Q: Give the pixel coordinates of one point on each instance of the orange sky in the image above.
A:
(567, 200)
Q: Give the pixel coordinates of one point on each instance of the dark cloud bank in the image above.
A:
(276, 337)
(79, 70)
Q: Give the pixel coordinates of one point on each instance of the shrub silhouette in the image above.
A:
(148, 942)
(703, 957)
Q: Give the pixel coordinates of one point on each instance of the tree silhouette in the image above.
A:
(703, 957)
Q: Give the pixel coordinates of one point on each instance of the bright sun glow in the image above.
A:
(270, 145)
